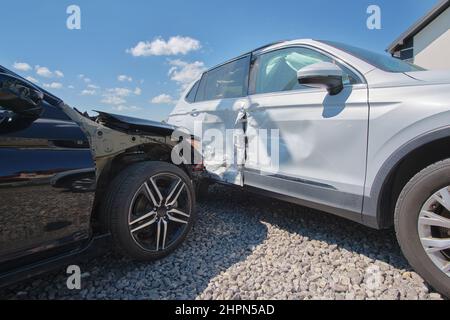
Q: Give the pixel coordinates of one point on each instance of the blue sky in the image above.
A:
(83, 66)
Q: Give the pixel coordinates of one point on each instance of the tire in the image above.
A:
(132, 196)
(417, 199)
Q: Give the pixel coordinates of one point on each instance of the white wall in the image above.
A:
(432, 44)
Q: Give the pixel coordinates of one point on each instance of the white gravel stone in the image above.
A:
(245, 246)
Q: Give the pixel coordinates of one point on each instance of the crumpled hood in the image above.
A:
(135, 125)
(436, 76)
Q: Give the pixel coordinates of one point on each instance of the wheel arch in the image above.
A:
(397, 170)
(115, 165)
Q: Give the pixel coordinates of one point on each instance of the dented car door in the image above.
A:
(215, 115)
(316, 143)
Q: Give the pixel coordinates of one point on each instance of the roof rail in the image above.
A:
(268, 45)
(244, 54)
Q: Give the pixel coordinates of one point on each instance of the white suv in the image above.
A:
(352, 132)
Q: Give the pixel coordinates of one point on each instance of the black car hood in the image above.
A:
(134, 125)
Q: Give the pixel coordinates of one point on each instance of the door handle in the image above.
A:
(195, 113)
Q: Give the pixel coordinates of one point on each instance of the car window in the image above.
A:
(225, 82)
(190, 97)
(277, 71)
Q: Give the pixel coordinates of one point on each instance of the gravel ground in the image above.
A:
(249, 247)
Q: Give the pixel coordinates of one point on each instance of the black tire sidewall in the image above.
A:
(127, 184)
(409, 205)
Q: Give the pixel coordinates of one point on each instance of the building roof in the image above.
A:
(419, 25)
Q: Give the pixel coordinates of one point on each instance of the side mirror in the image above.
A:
(322, 74)
(20, 97)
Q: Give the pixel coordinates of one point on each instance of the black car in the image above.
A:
(70, 183)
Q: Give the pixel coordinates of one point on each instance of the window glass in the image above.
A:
(191, 95)
(225, 82)
(277, 71)
(381, 61)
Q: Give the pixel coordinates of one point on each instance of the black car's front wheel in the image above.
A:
(150, 210)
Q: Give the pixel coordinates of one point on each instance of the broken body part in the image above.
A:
(107, 143)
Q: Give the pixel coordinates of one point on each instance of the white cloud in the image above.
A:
(84, 78)
(47, 73)
(160, 47)
(163, 99)
(117, 96)
(53, 85)
(22, 66)
(31, 79)
(122, 108)
(124, 78)
(44, 72)
(114, 100)
(71, 87)
(88, 92)
(91, 89)
(120, 92)
(185, 73)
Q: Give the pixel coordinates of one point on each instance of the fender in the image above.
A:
(372, 215)
(107, 143)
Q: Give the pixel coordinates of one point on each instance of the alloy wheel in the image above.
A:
(160, 212)
(434, 229)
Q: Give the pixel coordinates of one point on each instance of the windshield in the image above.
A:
(381, 61)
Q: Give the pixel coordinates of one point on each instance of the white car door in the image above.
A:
(316, 143)
(214, 117)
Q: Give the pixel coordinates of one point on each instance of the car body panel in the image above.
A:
(219, 157)
(50, 170)
(397, 122)
(434, 76)
(135, 125)
(224, 158)
(329, 171)
(47, 186)
(311, 126)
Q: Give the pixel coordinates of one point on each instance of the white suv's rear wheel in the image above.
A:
(422, 221)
